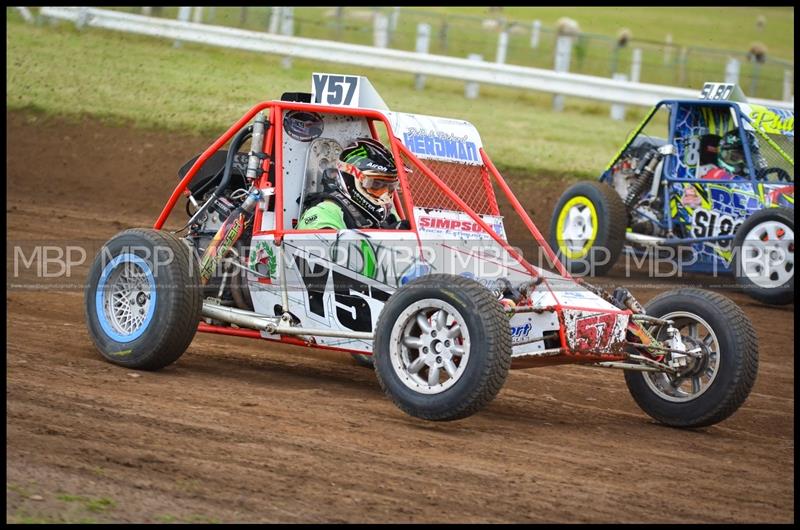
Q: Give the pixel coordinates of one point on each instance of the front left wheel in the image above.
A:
(442, 347)
(587, 230)
(142, 299)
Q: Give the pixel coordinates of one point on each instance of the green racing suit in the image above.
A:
(326, 214)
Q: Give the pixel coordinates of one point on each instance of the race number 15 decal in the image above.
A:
(349, 294)
(331, 89)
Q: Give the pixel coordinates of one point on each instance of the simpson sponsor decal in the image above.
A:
(456, 224)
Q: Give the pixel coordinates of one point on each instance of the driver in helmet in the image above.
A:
(731, 158)
(360, 195)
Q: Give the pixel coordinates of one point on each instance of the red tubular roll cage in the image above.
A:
(273, 140)
(276, 109)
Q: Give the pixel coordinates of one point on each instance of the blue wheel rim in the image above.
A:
(125, 300)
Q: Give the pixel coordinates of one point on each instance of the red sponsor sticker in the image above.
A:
(594, 332)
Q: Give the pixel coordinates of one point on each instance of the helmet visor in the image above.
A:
(379, 184)
(732, 156)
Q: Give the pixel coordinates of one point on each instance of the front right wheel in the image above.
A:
(721, 373)
(442, 347)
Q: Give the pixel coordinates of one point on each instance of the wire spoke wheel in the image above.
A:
(128, 296)
(142, 299)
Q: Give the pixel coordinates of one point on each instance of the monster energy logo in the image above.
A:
(355, 156)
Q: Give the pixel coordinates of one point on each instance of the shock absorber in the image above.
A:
(238, 220)
(228, 234)
(257, 147)
(643, 177)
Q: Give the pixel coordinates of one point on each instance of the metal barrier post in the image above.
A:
(183, 15)
(732, 71)
(561, 64)
(502, 47)
(788, 77)
(535, 31)
(472, 88)
(275, 19)
(618, 110)
(423, 44)
(636, 65)
(380, 36)
(287, 28)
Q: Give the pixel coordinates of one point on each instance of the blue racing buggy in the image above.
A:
(716, 195)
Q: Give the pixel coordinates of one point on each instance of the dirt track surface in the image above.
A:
(240, 430)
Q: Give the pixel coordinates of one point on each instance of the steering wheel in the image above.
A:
(781, 174)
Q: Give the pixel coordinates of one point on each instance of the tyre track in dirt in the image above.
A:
(239, 430)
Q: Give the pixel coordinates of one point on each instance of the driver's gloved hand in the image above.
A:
(395, 224)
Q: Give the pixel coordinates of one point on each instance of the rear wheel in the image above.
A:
(587, 230)
(763, 258)
(142, 299)
(442, 347)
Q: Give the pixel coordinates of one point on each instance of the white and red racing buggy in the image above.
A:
(441, 303)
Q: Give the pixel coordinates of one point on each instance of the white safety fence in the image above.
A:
(470, 71)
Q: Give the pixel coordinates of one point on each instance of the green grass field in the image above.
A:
(703, 39)
(149, 83)
(708, 27)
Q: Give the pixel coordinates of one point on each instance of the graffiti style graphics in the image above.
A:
(772, 120)
(724, 161)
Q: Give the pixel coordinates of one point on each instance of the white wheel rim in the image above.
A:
(767, 254)
(578, 227)
(429, 346)
(692, 386)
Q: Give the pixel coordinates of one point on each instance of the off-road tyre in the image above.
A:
(738, 361)
(489, 347)
(169, 291)
(779, 219)
(605, 229)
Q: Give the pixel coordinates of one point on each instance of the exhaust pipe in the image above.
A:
(642, 239)
(276, 325)
(240, 317)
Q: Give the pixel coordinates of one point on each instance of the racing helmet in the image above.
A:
(731, 155)
(368, 176)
